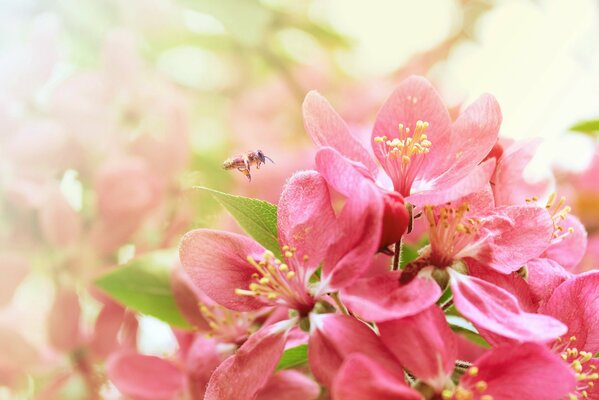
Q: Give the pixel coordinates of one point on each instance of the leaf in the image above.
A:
(293, 357)
(144, 285)
(257, 217)
(466, 329)
(589, 126)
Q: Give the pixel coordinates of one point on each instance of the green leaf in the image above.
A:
(144, 285)
(408, 254)
(257, 217)
(293, 357)
(466, 329)
(589, 126)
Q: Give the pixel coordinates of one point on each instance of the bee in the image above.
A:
(243, 162)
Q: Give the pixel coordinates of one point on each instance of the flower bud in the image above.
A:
(396, 219)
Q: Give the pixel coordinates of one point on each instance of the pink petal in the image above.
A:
(361, 378)
(13, 268)
(217, 263)
(341, 174)
(424, 344)
(516, 235)
(305, 218)
(335, 337)
(60, 224)
(527, 371)
(544, 276)
(108, 324)
(244, 374)
(569, 251)
(289, 385)
(201, 361)
(495, 310)
(474, 134)
(144, 377)
(358, 239)
(446, 189)
(63, 320)
(382, 297)
(415, 99)
(576, 303)
(187, 297)
(510, 187)
(327, 128)
(512, 283)
(17, 357)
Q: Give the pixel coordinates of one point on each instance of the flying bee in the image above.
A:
(243, 162)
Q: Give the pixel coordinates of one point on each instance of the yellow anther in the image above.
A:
(447, 394)
(288, 254)
(481, 386)
(283, 268)
(290, 275)
(473, 371)
(486, 397)
(285, 248)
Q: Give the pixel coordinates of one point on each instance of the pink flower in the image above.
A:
(428, 158)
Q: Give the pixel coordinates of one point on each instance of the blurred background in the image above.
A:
(112, 110)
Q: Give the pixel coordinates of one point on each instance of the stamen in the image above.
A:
(403, 154)
(586, 373)
(227, 324)
(558, 211)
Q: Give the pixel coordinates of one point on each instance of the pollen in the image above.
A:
(586, 373)
(449, 231)
(227, 324)
(403, 153)
(558, 211)
(277, 282)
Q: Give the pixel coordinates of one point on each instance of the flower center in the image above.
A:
(275, 282)
(227, 324)
(586, 373)
(449, 232)
(474, 391)
(403, 155)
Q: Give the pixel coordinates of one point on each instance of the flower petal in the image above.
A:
(495, 310)
(201, 360)
(289, 385)
(576, 303)
(145, 377)
(526, 371)
(516, 234)
(244, 374)
(14, 268)
(382, 297)
(187, 297)
(361, 378)
(327, 128)
(217, 263)
(63, 320)
(305, 218)
(544, 276)
(416, 99)
(424, 344)
(335, 337)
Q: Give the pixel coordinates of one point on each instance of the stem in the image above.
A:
(445, 306)
(340, 305)
(396, 255)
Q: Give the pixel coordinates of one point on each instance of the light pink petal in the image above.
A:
(341, 174)
(327, 128)
(415, 99)
(305, 218)
(576, 303)
(527, 371)
(108, 324)
(17, 357)
(361, 378)
(424, 344)
(495, 310)
(474, 134)
(443, 191)
(513, 283)
(516, 234)
(509, 185)
(382, 297)
(201, 360)
(544, 276)
(358, 238)
(334, 337)
(145, 377)
(289, 385)
(468, 350)
(244, 374)
(216, 262)
(63, 320)
(13, 269)
(569, 251)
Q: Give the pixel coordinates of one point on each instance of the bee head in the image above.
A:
(261, 156)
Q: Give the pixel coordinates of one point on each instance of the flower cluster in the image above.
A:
(427, 268)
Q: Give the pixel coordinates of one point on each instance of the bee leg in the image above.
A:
(245, 172)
